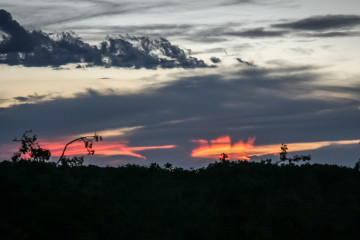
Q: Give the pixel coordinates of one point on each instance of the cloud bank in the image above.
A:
(38, 49)
(279, 105)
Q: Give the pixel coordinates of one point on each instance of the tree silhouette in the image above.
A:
(283, 153)
(223, 157)
(78, 161)
(284, 157)
(30, 146)
(168, 166)
(357, 166)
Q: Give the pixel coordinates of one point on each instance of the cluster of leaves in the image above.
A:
(226, 200)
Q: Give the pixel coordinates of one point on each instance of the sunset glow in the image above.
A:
(296, 147)
(78, 148)
(213, 148)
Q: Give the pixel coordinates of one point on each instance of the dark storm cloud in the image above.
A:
(322, 23)
(275, 105)
(19, 40)
(60, 49)
(256, 33)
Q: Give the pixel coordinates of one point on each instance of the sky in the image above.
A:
(182, 82)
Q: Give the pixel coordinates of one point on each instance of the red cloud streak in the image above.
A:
(103, 148)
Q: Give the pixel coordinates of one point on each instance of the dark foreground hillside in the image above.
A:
(233, 200)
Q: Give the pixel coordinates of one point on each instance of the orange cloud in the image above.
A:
(213, 148)
(245, 150)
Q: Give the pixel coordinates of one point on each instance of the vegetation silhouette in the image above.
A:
(232, 200)
(225, 200)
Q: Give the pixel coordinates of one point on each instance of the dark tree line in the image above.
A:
(225, 200)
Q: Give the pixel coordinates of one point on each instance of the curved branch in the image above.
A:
(84, 139)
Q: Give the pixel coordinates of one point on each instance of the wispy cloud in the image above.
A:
(256, 33)
(322, 23)
(246, 63)
(105, 148)
(33, 98)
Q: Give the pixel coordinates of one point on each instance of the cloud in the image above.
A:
(280, 104)
(31, 98)
(151, 30)
(281, 3)
(106, 148)
(67, 12)
(256, 33)
(34, 49)
(213, 148)
(249, 64)
(305, 51)
(19, 41)
(322, 23)
(333, 34)
(215, 60)
(247, 150)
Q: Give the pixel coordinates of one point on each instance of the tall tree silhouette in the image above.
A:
(223, 157)
(296, 158)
